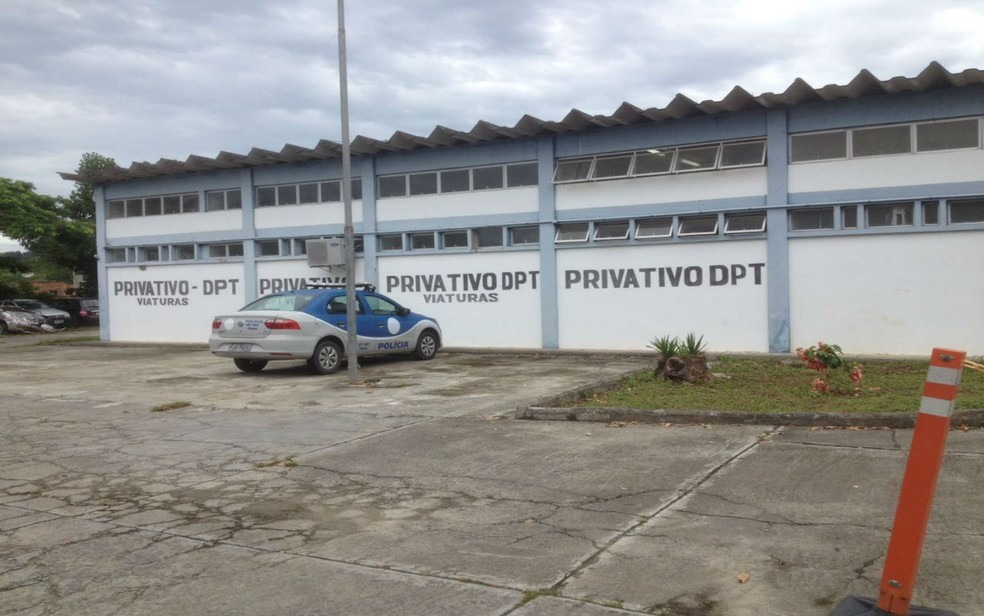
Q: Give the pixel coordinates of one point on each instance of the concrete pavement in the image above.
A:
(415, 493)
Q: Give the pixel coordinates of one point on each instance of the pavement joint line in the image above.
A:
(707, 476)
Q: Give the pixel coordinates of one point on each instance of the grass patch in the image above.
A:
(170, 406)
(782, 385)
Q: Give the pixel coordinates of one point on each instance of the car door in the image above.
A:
(384, 326)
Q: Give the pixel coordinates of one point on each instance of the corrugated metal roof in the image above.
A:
(933, 77)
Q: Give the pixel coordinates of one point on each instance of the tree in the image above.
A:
(80, 204)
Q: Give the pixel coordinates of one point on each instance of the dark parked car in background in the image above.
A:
(52, 316)
(83, 311)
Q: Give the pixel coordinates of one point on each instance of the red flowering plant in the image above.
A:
(826, 358)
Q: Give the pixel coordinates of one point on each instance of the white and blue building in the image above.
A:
(852, 214)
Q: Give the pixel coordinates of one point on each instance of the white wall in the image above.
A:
(488, 202)
(171, 303)
(287, 275)
(697, 186)
(890, 294)
(305, 215)
(887, 171)
(479, 299)
(202, 222)
(607, 302)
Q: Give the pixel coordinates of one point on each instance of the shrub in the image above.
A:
(825, 358)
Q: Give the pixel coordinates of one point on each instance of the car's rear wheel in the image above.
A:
(427, 345)
(250, 365)
(327, 357)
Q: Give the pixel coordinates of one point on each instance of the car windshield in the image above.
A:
(282, 302)
(90, 303)
(32, 304)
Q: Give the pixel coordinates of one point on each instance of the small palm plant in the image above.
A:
(681, 360)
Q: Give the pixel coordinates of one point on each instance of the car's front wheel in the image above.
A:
(427, 345)
(250, 365)
(327, 357)
(3, 328)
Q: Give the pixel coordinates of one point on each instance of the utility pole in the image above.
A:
(352, 342)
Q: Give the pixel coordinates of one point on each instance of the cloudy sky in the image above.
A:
(139, 80)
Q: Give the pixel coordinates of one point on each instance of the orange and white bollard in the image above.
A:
(916, 497)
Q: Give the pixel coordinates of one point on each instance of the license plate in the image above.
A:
(59, 322)
(239, 348)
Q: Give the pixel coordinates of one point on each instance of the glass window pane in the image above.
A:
(454, 239)
(612, 230)
(947, 135)
(612, 167)
(524, 235)
(702, 225)
(268, 248)
(391, 242)
(818, 146)
(806, 220)
(968, 210)
(489, 237)
(331, 191)
(149, 253)
(287, 195)
(881, 141)
(183, 252)
(572, 170)
(421, 241)
(214, 201)
(654, 227)
(931, 212)
(116, 255)
(266, 197)
(485, 178)
(458, 180)
(889, 214)
(152, 206)
(741, 154)
(653, 161)
(572, 232)
(524, 174)
(423, 183)
(356, 188)
(393, 186)
(307, 193)
(115, 209)
(234, 199)
(849, 216)
(134, 207)
(695, 159)
(235, 250)
(216, 251)
(172, 204)
(189, 202)
(753, 222)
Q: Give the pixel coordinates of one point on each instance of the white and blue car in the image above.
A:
(310, 325)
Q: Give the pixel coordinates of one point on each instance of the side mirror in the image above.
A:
(403, 312)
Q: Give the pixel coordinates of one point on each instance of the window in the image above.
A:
(742, 154)
(454, 239)
(116, 255)
(968, 210)
(148, 253)
(612, 167)
(152, 206)
(695, 159)
(881, 141)
(654, 227)
(423, 183)
(421, 241)
(931, 212)
(950, 135)
(489, 237)
(849, 216)
(172, 204)
(572, 170)
(458, 180)
(811, 219)
(221, 251)
(134, 207)
(519, 236)
(889, 214)
(818, 146)
(381, 306)
(115, 209)
(572, 232)
(183, 252)
(189, 203)
(486, 178)
(752, 222)
(652, 162)
(287, 195)
(611, 230)
(223, 200)
(331, 191)
(308, 193)
(268, 248)
(393, 186)
(699, 225)
(523, 174)
(390, 242)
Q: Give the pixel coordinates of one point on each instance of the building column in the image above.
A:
(249, 235)
(777, 242)
(549, 315)
(370, 257)
(99, 196)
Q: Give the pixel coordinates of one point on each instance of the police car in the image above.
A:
(310, 324)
